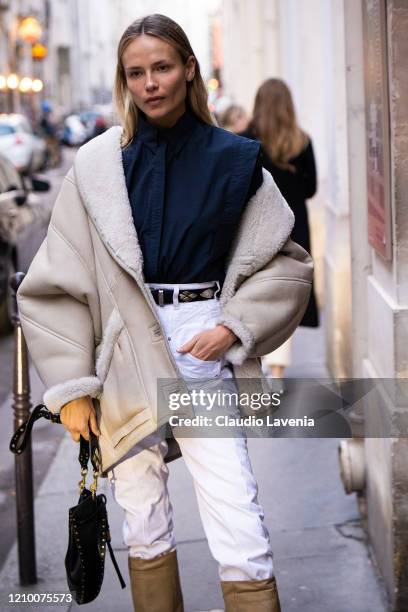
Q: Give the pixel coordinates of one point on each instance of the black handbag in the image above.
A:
(88, 525)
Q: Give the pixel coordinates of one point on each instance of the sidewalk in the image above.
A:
(320, 550)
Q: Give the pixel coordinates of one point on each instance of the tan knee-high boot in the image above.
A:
(251, 595)
(155, 584)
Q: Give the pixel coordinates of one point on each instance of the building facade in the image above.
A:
(81, 39)
(347, 65)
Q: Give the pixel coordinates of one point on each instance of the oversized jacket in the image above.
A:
(90, 321)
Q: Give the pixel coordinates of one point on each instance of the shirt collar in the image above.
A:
(175, 137)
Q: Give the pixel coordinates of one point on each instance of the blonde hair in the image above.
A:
(168, 30)
(274, 123)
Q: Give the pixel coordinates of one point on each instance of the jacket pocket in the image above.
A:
(123, 401)
(192, 367)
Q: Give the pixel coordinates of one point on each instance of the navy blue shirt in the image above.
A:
(187, 187)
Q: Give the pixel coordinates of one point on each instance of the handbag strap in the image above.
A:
(115, 565)
(20, 438)
(102, 497)
(89, 449)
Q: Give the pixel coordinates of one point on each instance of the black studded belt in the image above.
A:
(169, 296)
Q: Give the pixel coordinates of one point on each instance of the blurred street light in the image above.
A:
(213, 84)
(25, 84)
(20, 87)
(12, 81)
(30, 30)
(39, 51)
(37, 85)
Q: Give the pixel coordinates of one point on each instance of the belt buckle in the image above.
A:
(161, 297)
(208, 293)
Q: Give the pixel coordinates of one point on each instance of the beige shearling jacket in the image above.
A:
(89, 318)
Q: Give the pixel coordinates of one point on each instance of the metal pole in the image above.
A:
(23, 462)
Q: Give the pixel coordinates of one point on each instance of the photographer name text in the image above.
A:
(223, 420)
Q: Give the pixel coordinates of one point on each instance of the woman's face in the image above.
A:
(156, 78)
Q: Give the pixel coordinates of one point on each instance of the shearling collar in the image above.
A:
(264, 228)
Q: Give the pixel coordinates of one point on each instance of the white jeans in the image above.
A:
(225, 487)
(281, 356)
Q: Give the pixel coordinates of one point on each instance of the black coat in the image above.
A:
(296, 187)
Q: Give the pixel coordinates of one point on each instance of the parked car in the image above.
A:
(89, 118)
(74, 133)
(23, 225)
(25, 148)
(81, 126)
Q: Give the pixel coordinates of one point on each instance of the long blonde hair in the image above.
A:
(274, 123)
(165, 28)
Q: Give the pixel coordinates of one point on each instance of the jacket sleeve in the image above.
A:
(269, 305)
(55, 301)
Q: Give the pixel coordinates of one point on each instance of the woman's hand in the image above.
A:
(77, 416)
(211, 344)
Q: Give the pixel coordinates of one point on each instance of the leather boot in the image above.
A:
(155, 584)
(251, 595)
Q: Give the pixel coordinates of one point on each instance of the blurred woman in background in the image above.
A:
(288, 155)
(234, 119)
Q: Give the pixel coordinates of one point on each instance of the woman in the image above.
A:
(287, 153)
(138, 293)
(234, 119)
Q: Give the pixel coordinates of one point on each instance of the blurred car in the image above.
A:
(23, 225)
(74, 132)
(21, 144)
(81, 126)
(89, 118)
